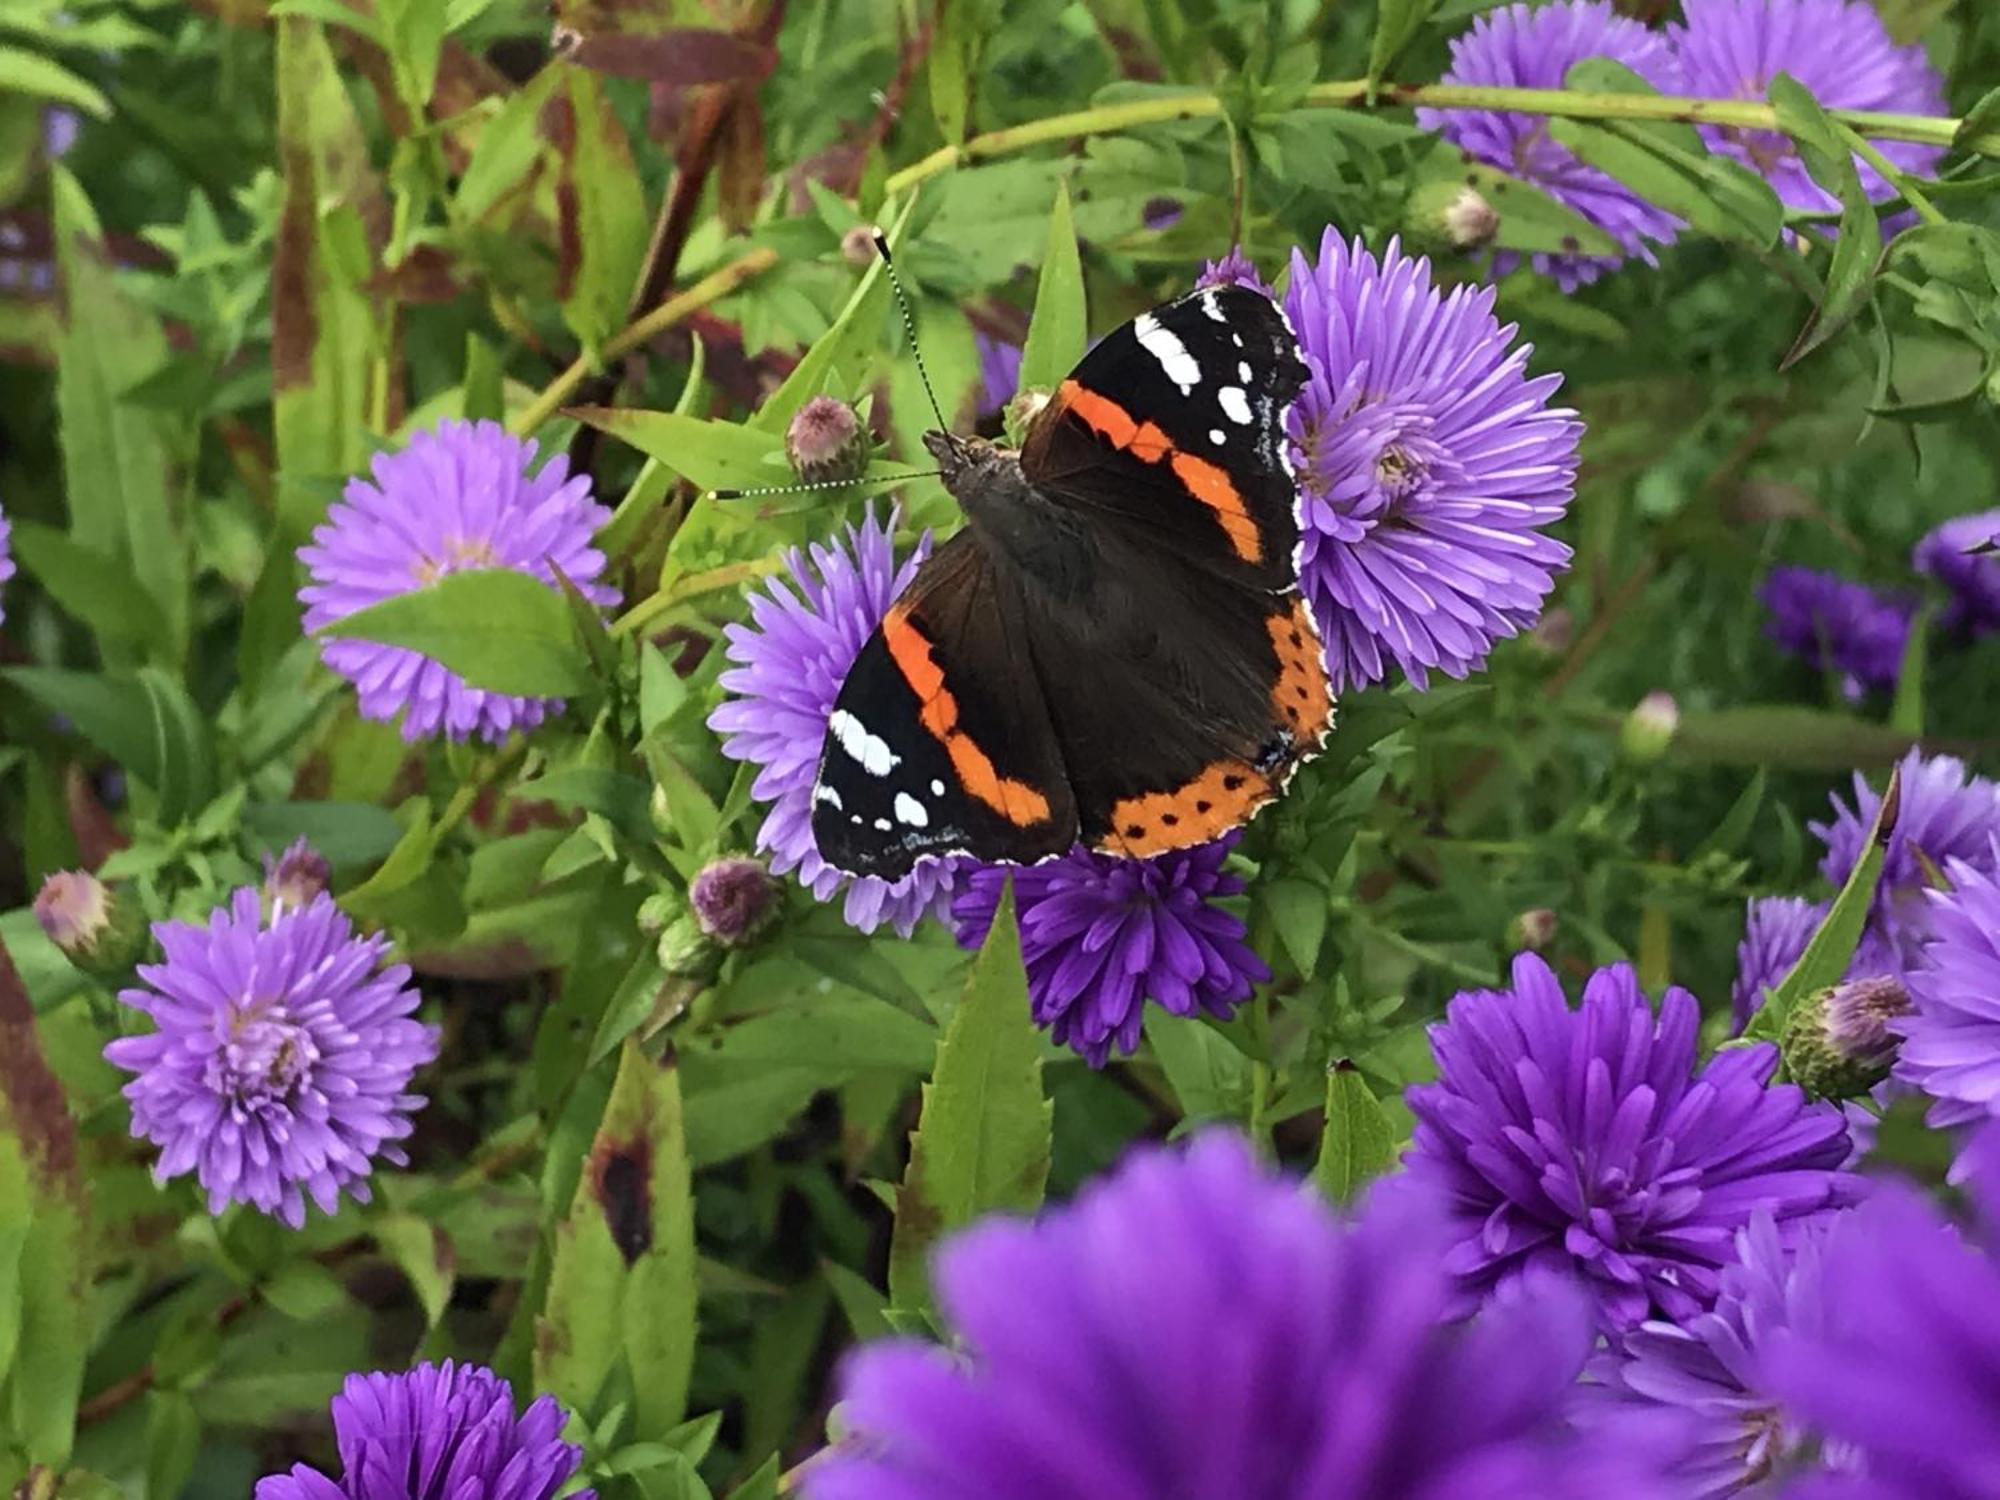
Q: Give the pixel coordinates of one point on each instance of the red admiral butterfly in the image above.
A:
(1114, 649)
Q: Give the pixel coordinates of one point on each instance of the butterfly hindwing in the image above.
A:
(940, 740)
(1173, 429)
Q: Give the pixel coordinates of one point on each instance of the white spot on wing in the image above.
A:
(1165, 346)
(910, 810)
(827, 795)
(1215, 436)
(1236, 339)
(883, 825)
(937, 788)
(1243, 370)
(1208, 305)
(1235, 404)
(871, 751)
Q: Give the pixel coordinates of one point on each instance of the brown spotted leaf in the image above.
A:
(679, 59)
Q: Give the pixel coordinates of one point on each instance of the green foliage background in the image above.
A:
(292, 233)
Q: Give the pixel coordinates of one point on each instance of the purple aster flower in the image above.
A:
(1519, 46)
(1234, 269)
(1833, 624)
(456, 498)
(281, 1056)
(1776, 930)
(6, 555)
(1428, 460)
(1713, 1366)
(787, 667)
(1951, 1043)
(1943, 816)
(1839, 49)
(440, 1432)
(60, 128)
(999, 374)
(1587, 1140)
(733, 899)
(1101, 935)
(1193, 1327)
(1903, 1366)
(1960, 555)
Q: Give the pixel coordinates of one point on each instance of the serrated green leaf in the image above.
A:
(984, 1136)
(1357, 1144)
(499, 629)
(1061, 328)
(1832, 946)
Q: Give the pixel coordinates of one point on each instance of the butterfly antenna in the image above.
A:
(803, 488)
(909, 326)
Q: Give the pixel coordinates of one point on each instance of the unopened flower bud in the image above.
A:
(660, 911)
(1533, 930)
(296, 876)
(84, 917)
(826, 441)
(686, 952)
(857, 246)
(1554, 632)
(734, 899)
(1650, 728)
(1453, 214)
(1837, 1042)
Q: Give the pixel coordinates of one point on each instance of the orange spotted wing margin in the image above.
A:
(940, 738)
(1172, 429)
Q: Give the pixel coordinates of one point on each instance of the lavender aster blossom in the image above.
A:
(787, 667)
(1959, 554)
(1903, 1366)
(1714, 1367)
(281, 1056)
(1193, 1327)
(1839, 49)
(440, 1432)
(456, 498)
(1586, 1140)
(999, 374)
(1101, 935)
(1833, 624)
(1951, 1044)
(1776, 930)
(1535, 47)
(1428, 461)
(1234, 269)
(1944, 816)
(6, 555)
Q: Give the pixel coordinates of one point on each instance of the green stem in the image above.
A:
(1894, 175)
(1930, 130)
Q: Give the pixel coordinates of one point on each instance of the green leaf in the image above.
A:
(97, 589)
(499, 629)
(1728, 835)
(1209, 1076)
(983, 1138)
(1298, 911)
(173, 1442)
(46, 1325)
(604, 208)
(1832, 947)
(622, 1287)
(119, 472)
(954, 40)
(107, 709)
(1906, 714)
(709, 453)
(510, 147)
(865, 1306)
(1357, 1144)
(38, 77)
(423, 1252)
(1060, 331)
(1858, 249)
(348, 834)
(1396, 23)
(184, 769)
(1531, 220)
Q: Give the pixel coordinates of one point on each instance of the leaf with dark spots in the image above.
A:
(621, 1175)
(680, 58)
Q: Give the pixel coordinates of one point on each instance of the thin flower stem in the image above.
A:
(1894, 175)
(711, 288)
(1930, 130)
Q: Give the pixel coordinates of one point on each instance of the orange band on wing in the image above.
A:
(1207, 482)
(1016, 801)
(1303, 696)
(1222, 797)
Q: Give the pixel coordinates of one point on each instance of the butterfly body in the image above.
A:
(1113, 650)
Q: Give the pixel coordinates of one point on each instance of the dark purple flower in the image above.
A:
(440, 1432)
(457, 498)
(1961, 555)
(1713, 1367)
(1519, 46)
(6, 555)
(1944, 816)
(1904, 1365)
(999, 374)
(1587, 1140)
(1192, 1327)
(787, 667)
(1835, 625)
(1234, 269)
(1839, 49)
(1102, 934)
(281, 1059)
(296, 876)
(1161, 213)
(1429, 461)
(1951, 1043)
